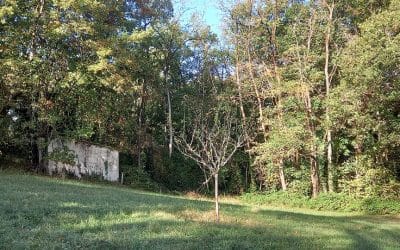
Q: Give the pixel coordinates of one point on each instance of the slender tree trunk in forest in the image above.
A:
(140, 114)
(169, 107)
(314, 173)
(282, 175)
(171, 138)
(278, 80)
(260, 105)
(258, 96)
(251, 73)
(314, 167)
(240, 94)
(216, 197)
(358, 152)
(35, 149)
(313, 153)
(139, 144)
(330, 172)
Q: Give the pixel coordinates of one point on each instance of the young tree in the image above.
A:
(211, 142)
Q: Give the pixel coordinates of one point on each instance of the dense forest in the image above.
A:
(298, 96)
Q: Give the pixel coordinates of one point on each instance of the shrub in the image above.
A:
(137, 177)
(328, 202)
(373, 183)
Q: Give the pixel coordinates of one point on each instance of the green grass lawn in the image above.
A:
(42, 213)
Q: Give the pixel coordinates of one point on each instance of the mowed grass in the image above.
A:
(44, 213)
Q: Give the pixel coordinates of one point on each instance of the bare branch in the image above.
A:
(213, 142)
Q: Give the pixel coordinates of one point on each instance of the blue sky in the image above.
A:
(208, 9)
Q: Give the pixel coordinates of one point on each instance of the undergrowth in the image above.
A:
(327, 202)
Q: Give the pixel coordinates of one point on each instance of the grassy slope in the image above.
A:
(39, 212)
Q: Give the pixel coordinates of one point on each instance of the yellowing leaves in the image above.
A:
(99, 66)
(75, 77)
(139, 36)
(65, 4)
(104, 52)
(103, 62)
(7, 9)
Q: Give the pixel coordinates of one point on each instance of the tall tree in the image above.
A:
(365, 104)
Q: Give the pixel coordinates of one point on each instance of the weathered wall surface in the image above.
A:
(89, 160)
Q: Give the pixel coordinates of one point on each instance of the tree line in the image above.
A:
(301, 96)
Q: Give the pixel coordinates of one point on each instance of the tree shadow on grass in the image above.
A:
(161, 234)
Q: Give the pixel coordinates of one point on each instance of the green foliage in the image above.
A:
(63, 155)
(138, 178)
(304, 74)
(232, 178)
(328, 202)
(373, 183)
(127, 75)
(176, 172)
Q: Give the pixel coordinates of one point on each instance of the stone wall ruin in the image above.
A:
(81, 159)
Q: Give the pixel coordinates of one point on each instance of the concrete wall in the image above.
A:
(89, 160)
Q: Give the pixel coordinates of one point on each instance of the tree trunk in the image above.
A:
(239, 87)
(313, 148)
(35, 154)
(282, 176)
(169, 106)
(140, 114)
(278, 98)
(314, 168)
(242, 112)
(258, 96)
(250, 68)
(314, 173)
(331, 170)
(329, 166)
(171, 138)
(216, 198)
(34, 135)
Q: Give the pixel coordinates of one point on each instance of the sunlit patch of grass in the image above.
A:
(40, 212)
(192, 215)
